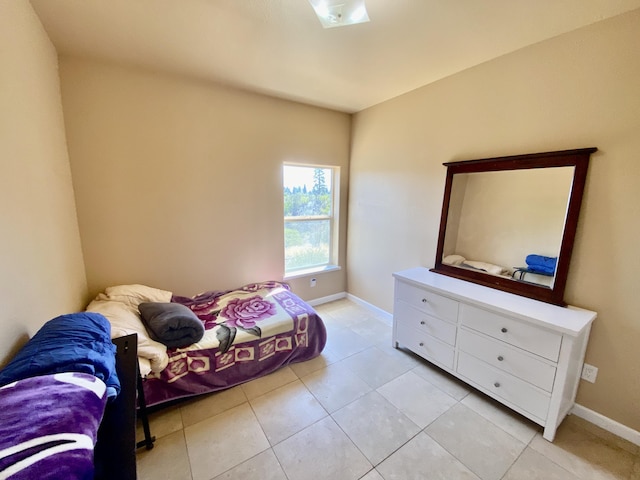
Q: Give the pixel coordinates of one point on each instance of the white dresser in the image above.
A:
(526, 354)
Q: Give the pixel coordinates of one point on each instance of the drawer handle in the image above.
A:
(424, 300)
(503, 330)
(422, 344)
(500, 358)
(423, 322)
(497, 384)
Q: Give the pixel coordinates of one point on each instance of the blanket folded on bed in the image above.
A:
(172, 324)
(77, 342)
(541, 264)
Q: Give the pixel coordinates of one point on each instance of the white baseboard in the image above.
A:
(607, 424)
(338, 296)
(578, 410)
(329, 298)
(380, 312)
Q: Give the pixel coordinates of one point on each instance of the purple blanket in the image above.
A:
(249, 332)
(49, 425)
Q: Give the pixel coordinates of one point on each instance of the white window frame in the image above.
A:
(332, 263)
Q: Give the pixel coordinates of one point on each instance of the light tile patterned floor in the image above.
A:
(364, 410)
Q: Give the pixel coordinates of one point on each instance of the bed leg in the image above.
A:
(142, 413)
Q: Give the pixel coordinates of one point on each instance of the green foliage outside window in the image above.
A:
(306, 244)
(307, 241)
(298, 202)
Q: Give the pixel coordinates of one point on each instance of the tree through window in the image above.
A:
(308, 217)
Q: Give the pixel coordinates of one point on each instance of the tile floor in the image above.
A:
(363, 410)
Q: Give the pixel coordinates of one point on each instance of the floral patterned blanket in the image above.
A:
(249, 332)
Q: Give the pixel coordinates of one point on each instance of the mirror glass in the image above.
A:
(487, 233)
(510, 222)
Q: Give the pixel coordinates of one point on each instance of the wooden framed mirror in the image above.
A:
(510, 222)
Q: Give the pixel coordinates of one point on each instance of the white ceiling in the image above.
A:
(278, 47)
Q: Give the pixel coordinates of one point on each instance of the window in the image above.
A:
(310, 204)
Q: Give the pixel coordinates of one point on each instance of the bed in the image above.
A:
(53, 397)
(477, 265)
(247, 332)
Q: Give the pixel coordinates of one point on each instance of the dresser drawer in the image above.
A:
(512, 331)
(424, 345)
(419, 320)
(511, 389)
(428, 302)
(508, 359)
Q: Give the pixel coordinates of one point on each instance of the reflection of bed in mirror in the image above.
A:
(531, 273)
(483, 226)
(456, 260)
(512, 221)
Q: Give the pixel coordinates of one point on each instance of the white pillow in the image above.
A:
(487, 267)
(120, 306)
(134, 295)
(453, 259)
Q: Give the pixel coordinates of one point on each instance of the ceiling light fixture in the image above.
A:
(340, 13)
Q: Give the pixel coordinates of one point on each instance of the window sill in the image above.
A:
(311, 271)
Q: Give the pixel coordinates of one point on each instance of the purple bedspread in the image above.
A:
(49, 426)
(249, 332)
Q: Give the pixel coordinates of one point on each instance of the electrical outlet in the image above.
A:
(312, 282)
(589, 373)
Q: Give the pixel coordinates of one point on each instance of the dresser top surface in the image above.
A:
(570, 320)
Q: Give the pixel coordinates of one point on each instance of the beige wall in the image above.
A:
(179, 182)
(578, 90)
(42, 271)
(507, 215)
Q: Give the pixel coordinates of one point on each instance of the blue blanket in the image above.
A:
(541, 264)
(77, 342)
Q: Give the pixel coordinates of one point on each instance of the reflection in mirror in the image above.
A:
(519, 238)
(509, 223)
